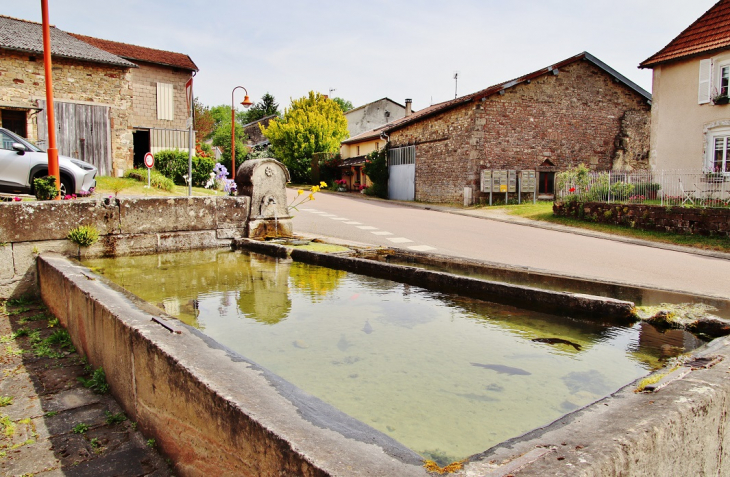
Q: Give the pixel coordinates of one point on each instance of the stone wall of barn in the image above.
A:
(580, 115)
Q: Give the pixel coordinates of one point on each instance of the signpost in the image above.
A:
(149, 161)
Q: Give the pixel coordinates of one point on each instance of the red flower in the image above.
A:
(572, 189)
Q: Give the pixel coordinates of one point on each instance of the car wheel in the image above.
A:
(66, 187)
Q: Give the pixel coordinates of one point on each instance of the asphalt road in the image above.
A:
(351, 218)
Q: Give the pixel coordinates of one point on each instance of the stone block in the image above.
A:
(231, 212)
(120, 245)
(52, 220)
(6, 262)
(153, 215)
(174, 242)
(26, 253)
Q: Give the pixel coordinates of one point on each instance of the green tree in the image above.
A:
(222, 139)
(312, 124)
(266, 107)
(376, 168)
(221, 115)
(344, 104)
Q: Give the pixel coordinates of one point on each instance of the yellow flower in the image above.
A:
(300, 192)
(314, 189)
(323, 184)
(311, 196)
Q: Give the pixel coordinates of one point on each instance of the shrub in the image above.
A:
(84, 235)
(157, 180)
(376, 168)
(173, 164)
(45, 188)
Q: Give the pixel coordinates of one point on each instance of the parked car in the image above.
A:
(21, 162)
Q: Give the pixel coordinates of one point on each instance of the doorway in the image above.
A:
(141, 144)
(546, 184)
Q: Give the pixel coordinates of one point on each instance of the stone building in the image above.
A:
(100, 97)
(372, 115)
(576, 111)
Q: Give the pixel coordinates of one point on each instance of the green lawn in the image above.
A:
(543, 211)
(115, 186)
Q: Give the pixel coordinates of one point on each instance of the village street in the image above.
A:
(381, 223)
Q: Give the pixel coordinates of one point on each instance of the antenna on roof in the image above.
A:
(331, 91)
(456, 84)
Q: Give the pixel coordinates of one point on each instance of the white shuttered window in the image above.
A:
(703, 96)
(165, 106)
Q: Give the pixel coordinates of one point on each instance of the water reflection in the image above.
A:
(446, 375)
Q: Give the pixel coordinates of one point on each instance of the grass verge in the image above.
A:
(543, 211)
(118, 186)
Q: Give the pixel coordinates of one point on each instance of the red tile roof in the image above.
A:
(709, 33)
(141, 53)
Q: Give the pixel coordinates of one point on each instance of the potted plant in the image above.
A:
(341, 185)
(720, 98)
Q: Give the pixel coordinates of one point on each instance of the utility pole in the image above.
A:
(456, 84)
(332, 90)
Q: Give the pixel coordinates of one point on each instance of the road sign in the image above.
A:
(149, 160)
(189, 92)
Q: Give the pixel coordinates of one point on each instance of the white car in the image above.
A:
(21, 162)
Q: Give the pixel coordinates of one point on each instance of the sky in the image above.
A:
(369, 49)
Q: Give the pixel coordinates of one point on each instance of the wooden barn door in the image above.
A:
(83, 132)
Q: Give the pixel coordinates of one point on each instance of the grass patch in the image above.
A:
(543, 211)
(6, 401)
(117, 186)
(97, 382)
(112, 419)
(80, 428)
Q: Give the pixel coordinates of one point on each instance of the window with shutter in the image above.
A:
(165, 106)
(705, 81)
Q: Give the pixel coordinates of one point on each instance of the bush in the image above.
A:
(376, 168)
(45, 188)
(173, 164)
(157, 180)
(84, 235)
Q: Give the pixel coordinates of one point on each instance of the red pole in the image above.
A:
(233, 138)
(53, 169)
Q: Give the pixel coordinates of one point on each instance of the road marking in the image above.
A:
(328, 215)
(338, 218)
(399, 240)
(367, 227)
(421, 248)
(313, 211)
(353, 223)
(381, 233)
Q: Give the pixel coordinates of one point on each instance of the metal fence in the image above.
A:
(667, 188)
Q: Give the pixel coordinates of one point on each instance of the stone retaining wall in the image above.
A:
(127, 226)
(681, 220)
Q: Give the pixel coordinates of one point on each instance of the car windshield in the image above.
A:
(29, 145)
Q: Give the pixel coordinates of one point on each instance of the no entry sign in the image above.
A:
(149, 160)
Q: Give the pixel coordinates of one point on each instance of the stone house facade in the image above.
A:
(577, 111)
(690, 127)
(100, 98)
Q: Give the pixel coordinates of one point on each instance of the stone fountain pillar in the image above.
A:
(264, 182)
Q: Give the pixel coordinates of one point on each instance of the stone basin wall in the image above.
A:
(127, 226)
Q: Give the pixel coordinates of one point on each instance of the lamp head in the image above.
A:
(246, 102)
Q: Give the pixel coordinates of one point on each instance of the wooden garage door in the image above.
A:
(82, 131)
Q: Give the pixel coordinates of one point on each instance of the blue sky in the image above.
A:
(370, 49)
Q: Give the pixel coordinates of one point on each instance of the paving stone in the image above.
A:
(29, 459)
(70, 399)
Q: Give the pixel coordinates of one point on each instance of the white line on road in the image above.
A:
(313, 211)
(328, 215)
(421, 248)
(353, 223)
(338, 218)
(367, 227)
(381, 233)
(399, 240)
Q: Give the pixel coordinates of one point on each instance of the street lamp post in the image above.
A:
(246, 103)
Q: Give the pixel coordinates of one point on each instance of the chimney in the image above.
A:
(409, 107)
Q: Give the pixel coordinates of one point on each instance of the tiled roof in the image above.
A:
(709, 33)
(141, 53)
(492, 90)
(353, 161)
(22, 35)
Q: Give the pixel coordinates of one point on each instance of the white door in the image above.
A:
(402, 173)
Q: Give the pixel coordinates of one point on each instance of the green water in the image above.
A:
(445, 375)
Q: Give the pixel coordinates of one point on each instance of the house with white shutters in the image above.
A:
(690, 123)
